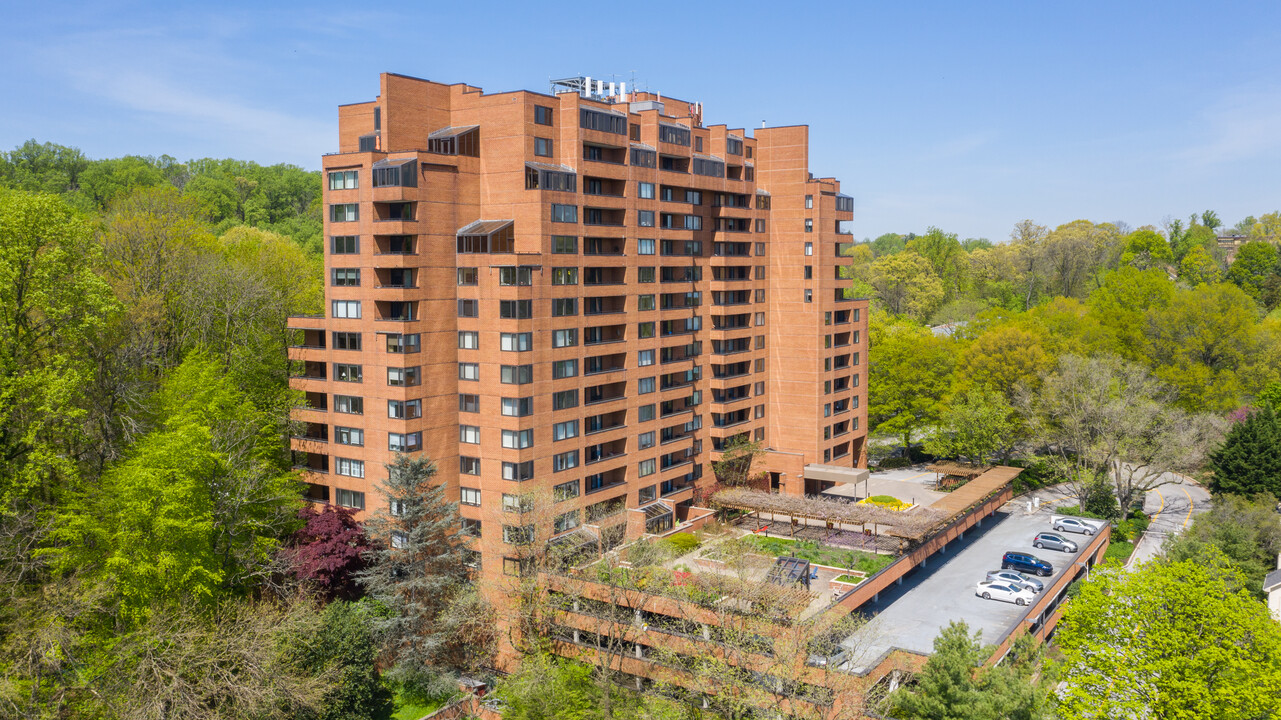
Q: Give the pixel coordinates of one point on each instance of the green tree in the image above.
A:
(1119, 305)
(1146, 249)
(1170, 640)
(908, 375)
(197, 508)
(1003, 359)
(976, 426)
(953, 686)
(1244, 529)
(55, 306)
(1249, 460)
(1255, 261)
(1210, 219)
(42, 167)
(1198, 267)
(1201, 343)
(946, 256)
(888, 244)
(346, 645)
(907, 284)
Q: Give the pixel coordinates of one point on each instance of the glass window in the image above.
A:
(564, 213)
(349, 436)
(645, 385)
(645, 246)
(564, 399)
(468, 340)
(518, 471)
(518, 439)
(349, 405)
(518, 407)
(543, 147)
(350, 499)
(646, 467)
(468, 308)
(542, 115)
(404, 409)
(645, 413)
(345, 277)
(564, 369)
(809, 225)
(564, 244)
(517, 374)
(346, 212)
(344, 180)
(645, 330)
(403, 343)
(564, 338)
(469, 434)
(809, 248)
(644, 302)
(516, 342)
(645, 357)
(563, 307)
(645, 274)
(646, 191)
(468, 403)
(565, 461)
(344, 372)
(566, 491)
(407, 442)
(515, 309)
(469, 371)
(350, 468)
(345, 309)
(565, 430)
(344, 245)
(645, 440)
(565, 276)
(468, 465)
(645, 218)
(469, 496)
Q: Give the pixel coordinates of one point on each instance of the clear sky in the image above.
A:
(969, 116)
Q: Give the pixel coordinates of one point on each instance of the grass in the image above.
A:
(821, 554)
(851, 579)
(1119, 552)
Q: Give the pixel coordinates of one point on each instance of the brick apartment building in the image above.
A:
(583, 294)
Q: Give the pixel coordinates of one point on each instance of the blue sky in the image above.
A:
(967, 116)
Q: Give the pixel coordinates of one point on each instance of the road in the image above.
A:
(1172, 508)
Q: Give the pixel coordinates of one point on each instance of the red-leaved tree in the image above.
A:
(328, 551)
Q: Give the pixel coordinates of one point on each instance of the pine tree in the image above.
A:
(1249, 461)
(417, 569)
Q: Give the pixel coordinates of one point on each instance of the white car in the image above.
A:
(1073, 525)
(992, 590)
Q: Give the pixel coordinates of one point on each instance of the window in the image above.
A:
(349, 405)
(468, 465)
(469, 434)
(542, 115)
(645, 246)
(516, 567)
(809, 248)
(349, 309)
(809, 295)
(645, 357)
(647, 494)
(517, 503)
(564, 399)
(564, 213)
(644, 302)
(565, 461)
(645, 413)
(346, 212)
(518, 407)
(675, 134)
(543, 147)
(809, 225)
(350, 468)
(698, 144)
(646, 467)
(645, 274)
(406, 343)
(565, 276)
(409, 442)
(645, 330)
(470, 527)
(562, 369)
(517, 374)
(469, 496)
(565, 430)
(468, 308)
(345, 277)
(644, 158)
(349, 436)
(515, 309)
(603, 121)
(760, 295)
(564, 338)
(350, 499)
(404, 409)
(516, 342)
(347, 373)
(518, 535)
(645, 440)
(645, 386)
(468, 403)
(518, 471)
(343, 180)
(469, 371)
(760, 318)
(344, 245)
(645, 218)
(562, 307)
(733, 145)
(564, 244)
(518, 439)
(468, 340)
(566, 522)
(709, 167)
(645, 191)
(566, 491)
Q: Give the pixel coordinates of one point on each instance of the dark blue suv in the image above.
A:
(1026, 563)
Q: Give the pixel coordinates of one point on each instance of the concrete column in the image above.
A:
(639, 653)
(707, 632)
(575, 605)
(876, 597)
(576, 638)
(898, 580)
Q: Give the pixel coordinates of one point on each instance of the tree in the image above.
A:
(1146, 249)
(1210, 219)
(54, 307)
(1249, 460)
(908, 375)
(1245, 530)
(1202, 343)
(1106, 420)
(888, 244)
(196, 509)
(1169, 640)
(1003, 359)
(946, 256)
(907, 284)
(1120, 302)
(418, 571)
(345, 647)
(952, 685)
(1255, 261)
(976, 426)
(734, 467)
(1199, 268)
(1030, 241)
(1075, 252)
(328, 552)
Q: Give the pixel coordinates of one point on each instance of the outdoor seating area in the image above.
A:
(950, 475)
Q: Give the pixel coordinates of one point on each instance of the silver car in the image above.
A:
(1053, 541)
(1003, 591)
(1073, 525)
(1013, 577)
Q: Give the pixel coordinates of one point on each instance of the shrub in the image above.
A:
(894, 462)
(681, 543)
(886, 501)
(1124, 531)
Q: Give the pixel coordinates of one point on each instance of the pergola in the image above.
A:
(944, 470)
(909, 524)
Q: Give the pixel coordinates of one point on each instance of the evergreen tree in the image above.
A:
(1249, 461)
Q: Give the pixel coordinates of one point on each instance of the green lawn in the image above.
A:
(406, 710)
(1118, 552)
(851, 579)
(821, 554)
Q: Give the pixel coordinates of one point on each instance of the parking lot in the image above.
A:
(909, 616)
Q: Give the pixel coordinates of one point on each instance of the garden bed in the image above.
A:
(865, 562)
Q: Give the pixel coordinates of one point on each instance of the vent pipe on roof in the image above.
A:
(622, 91)
(587, 86)
(612, 88)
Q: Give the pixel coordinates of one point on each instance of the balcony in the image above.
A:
(317, 401)
(308, 339)
(604, 481)
(731, 322)
(685, 378)
(729, 395)
(841, 362)
(604, 246)
(311, 370)
(731, 297)
(737, 417)
(604, 334)
(604, 276)
(393, 212)
(840, 317)
(608, 217)
(677, 458)
(681, 353)
(680, 301)
(598, 364)
(311, 462)
(605, 451)
(732, 249)
(731, 347)
(607, 392)
(841, 339)
(605, 305)
(678, 406)
(394, 245)
(684, 431)
(396, 311)
(604, 187)
(605, 422)
(731, 273)
(732, 370)
(314, 432)
(395, 278)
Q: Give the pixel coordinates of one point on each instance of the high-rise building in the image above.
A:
(584, 294)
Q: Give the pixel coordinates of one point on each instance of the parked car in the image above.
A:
(1073, 525)
(1012, 577)
(1053, 541)
(992, 590)
(1029, 564)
